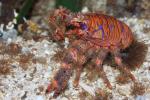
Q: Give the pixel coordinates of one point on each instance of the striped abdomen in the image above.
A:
(107, 31)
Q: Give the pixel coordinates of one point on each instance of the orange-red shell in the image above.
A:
(106, 31)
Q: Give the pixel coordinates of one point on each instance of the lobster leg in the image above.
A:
(121, 66)
(99, 61)
(79, 64)
(84, 54)
(77, 77)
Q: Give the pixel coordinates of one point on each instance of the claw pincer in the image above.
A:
(60, 81)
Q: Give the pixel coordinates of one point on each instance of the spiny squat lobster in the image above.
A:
(92, 37)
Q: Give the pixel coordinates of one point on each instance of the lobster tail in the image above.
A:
(135, 54)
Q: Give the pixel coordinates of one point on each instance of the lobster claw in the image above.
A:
(60, 82)
(51, 87)
(54, 87)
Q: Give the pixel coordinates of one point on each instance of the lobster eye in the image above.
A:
(70, 27)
